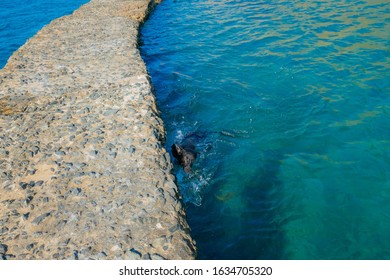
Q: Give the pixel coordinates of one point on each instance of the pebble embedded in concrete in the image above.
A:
(84, 174)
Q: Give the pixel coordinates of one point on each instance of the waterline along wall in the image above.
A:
(83, 170)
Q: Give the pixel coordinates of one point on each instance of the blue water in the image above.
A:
(290, 105)
(289, 102)
(21, 19)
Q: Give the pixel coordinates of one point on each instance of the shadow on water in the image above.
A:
(306, 81)
(240, 225)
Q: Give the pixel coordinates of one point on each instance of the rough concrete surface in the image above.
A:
(83, 170)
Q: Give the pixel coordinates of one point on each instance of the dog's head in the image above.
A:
(185, 156)
(177, 151)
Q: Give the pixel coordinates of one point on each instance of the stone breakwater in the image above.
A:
(83, 170)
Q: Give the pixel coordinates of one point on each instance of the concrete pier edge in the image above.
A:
(83, 170)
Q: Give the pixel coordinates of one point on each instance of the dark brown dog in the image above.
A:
(186, 156)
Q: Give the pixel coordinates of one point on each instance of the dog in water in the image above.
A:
(185, 151)
(185, 154)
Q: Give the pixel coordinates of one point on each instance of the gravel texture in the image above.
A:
(83, 170)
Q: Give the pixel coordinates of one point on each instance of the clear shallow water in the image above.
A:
(290, 101)
(21, 19)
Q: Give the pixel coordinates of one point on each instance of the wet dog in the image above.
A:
(185, 151)
(185, 154)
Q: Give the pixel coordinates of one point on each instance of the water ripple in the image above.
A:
(21, 19)
(293, 97)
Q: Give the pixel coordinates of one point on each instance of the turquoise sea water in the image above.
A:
(290, 103)
(21, 19)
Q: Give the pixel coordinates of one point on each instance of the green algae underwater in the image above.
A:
(290, 102)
